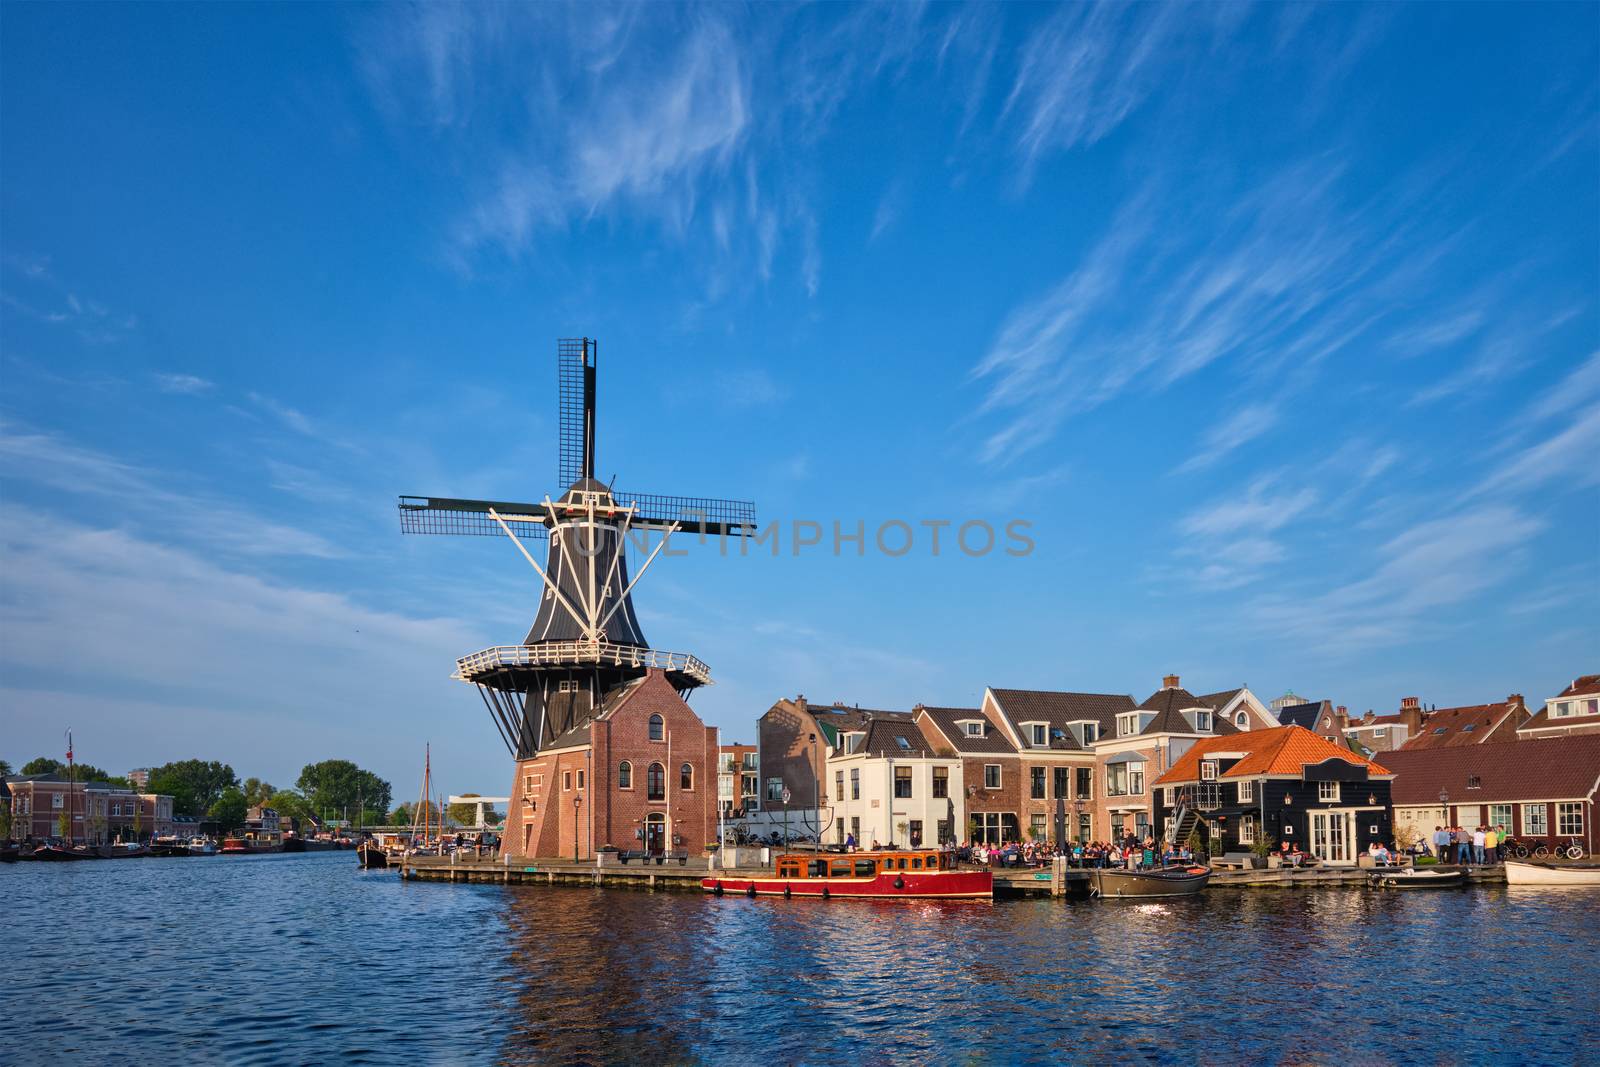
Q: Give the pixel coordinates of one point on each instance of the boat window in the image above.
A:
(789, 870)
(866, 868)
(817, 869)
(916, 863)
(841, 869)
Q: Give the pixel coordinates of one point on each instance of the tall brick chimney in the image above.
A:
(1170, 682)
(1411, 715)
(1408, 702)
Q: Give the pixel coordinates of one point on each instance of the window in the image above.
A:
(1166, 796)
(1036, 829)
(655, 782)
(855, 828)
(566, 780)
(1569, 820)
(991, 776)
(905, 746)
(1117, 780)
(624, 775)
(1241, 720)
(1382, 731)
(914, 831)
(1040, 738)
(866, 868)
(1591, 707)
(1535, 822)
(1063, 778)
(1208, 797)
(1562, 710)
(58, 800)
(658, 728)
(841, 869)
(902, 783)
(941, 783)
(1471, 726)
(974, 729)
(1091, 732)
(1441, 730)
(1208, 770)
(1328, 792)
(749, 763)
(1136, 778)
(838, 785)
(580, 779)
(686, 776)
(1247, 829)
(1036, 783)
(527, 782)
(1474, 782)
(1202, 722)
(1500, 815)
(775, 790)
(1127, 725)
(566, 687)
(1247, 792)
(1085, 783)
(855, 783)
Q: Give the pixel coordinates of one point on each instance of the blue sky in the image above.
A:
(1279, 324)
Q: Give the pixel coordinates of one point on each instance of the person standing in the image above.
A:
(1463, 846)
(1500, 835)
(1441, 841)
(1477, 845)
(1491, 840)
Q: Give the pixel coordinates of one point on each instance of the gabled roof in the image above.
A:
(885, 737)
(1060, 708)
(1448, 727)
(1586, 685)
(1302, 715)
(1549, 768)
(946, 720)
(1280, 750)
(1218, 701)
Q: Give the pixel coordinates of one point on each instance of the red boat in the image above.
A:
(917, 874)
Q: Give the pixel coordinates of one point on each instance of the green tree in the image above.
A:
(337, 786)
(44, 765)
(83, 772)
(228, 811)
(194, 785)
(463, 814)
(258, 793)
(401, 816)
(288, 803)
(63, 826)
(5, 821)
(5, 769)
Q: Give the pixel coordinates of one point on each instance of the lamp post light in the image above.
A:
(577, 802)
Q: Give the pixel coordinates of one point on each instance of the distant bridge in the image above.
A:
(481, 803)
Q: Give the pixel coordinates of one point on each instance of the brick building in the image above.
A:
(98, 812)
(1576, 710)
(1473, 724)
(639, 775)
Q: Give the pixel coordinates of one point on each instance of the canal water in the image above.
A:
(305, 959)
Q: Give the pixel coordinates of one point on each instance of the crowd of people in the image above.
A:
(1129, 852)
(1481, 845)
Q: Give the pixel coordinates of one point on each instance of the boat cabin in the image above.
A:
(861, 864)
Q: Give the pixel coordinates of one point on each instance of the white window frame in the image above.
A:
(1510, 813)
(855, 783)
(972, 729)
(1091, 732)
(58, 800)
(1208, 770)
(1202, 722)
(1328, 792)
(1247, 829)
(1574, 812)
(998, 776)
(1039, 734)
(1536, 813)
(1135, 778)
(1128, 724)
(1247, 792)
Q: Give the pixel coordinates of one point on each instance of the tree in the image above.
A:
(83, 772)
(257, 793)
(194, 785)
(5, 821)
(228, 811)
(288, 803)
(5, 769)
(336, 786)
(401, 816)
(463, 814)
(63, 826)
(44, 765)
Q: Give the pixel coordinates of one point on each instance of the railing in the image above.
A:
(578, 653)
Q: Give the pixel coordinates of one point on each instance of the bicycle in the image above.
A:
(1573, 850)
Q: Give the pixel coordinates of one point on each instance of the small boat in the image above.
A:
(1118, 884)
(61, 853)
(1519, 873)
(918, 874)
(1418, 878)
(251, 843)
(10, 851)
(200, 845)
(371, 855)
(124, 850)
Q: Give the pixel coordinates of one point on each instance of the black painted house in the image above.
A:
(1280, 785)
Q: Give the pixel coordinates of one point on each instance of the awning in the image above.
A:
(1128, 757)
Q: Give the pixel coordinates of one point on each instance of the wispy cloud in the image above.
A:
(1235, 431)
(183, 384)
(890, 205)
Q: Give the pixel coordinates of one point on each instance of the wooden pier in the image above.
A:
(1056, 881)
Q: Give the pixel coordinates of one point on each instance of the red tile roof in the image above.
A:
(1586, 685)
(1552, 768)
(1281, 750)
(1449, 727)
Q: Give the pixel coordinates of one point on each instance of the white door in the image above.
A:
(1333, 836)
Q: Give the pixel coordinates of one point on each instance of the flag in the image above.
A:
(69, 746)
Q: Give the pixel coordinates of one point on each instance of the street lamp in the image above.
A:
(577, 801)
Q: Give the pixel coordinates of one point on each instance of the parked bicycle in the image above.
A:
(1572, 850)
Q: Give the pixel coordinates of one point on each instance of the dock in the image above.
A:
(1058, 880)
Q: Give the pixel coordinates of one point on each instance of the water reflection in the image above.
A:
(306, 960)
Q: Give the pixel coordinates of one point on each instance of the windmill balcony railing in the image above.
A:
(578, 653)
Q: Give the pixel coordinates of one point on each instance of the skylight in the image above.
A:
(1442, 730)
(903, 742)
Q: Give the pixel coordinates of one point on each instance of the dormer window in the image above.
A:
(973, 729)
(1208, 770)
(852, 742)
(1039, 734)
(1091, 732)
(1202, 721)
(1128, 725)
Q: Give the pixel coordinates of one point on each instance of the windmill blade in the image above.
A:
(575, 384)
(697, 514)
(471, 518)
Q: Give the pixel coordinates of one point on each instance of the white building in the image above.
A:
(892, 787)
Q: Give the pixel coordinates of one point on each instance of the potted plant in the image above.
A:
(1262, 848)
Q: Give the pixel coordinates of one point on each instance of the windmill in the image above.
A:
(585, 639)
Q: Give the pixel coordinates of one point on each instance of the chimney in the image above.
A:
(1411, 715)
(1407, 703)
(1170, 682)
(1514, 698)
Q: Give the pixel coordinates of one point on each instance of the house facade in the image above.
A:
(892, 784)
(1542, 790)
(1575, 710)
(794, 740)
(1285, 784)
(738, 779)
(640, 775)
(97, 812)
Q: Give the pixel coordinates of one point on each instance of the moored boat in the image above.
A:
(1418, 878)
(371, 855)
(920, 874)
(200, 845)
(124, 850)
(1118, 884)
(251, 843)
(55, 853)
(1519, 873)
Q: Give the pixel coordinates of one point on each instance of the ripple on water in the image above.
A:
(304, 959)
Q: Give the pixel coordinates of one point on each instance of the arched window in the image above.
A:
(625, 775)
(655, 782)
(1241, 719)
(686, 776)
(658, 728)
